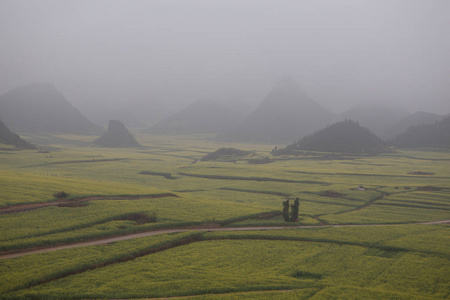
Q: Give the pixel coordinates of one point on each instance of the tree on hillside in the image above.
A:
(426, 135)
(290, 212)
(294, 210)
(346, 136)
(286, 210)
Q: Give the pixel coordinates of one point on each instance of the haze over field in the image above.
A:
(105, 56)
(224, 149)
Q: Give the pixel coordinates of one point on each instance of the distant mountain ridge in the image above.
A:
(41, 108)
(10, 138)
(202, 116)
(284, 114)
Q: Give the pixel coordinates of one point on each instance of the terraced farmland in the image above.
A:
(400, 260)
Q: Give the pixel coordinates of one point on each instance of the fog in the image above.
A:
(104, 54)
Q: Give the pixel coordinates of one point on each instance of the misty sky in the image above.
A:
(340, 52)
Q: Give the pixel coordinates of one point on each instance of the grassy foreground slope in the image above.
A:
(324, 263)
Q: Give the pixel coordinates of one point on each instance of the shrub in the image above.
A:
(140, 218)
(61, 195)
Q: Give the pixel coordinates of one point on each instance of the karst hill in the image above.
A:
(41, 108)
(427, 135)
(10, 138)
(376, 117)
(117, 136)
(142, 113)
(344, 137)
(284, 114)
(202, 116)
(412, 120)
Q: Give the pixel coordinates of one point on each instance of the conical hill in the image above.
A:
(117, 135)
(427, 135)
(41, 108)
(202, 116)
(11, 138)
(412, 120)
(345, 137)
(285, 114)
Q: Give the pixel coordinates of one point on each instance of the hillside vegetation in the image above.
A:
(427, 135)
(11, 138)
(346, 136)
(414, 119)
(225, 154)
(376, 117)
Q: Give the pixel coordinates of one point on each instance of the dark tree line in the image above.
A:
(425, 135)
(345, 136)
(349, 137)
(292, 215)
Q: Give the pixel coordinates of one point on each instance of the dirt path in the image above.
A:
(73, 202)
(251, 292)
(201, 229)
(363, 206)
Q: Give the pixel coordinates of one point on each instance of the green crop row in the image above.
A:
(51, 225)
(387, 214)
(224, 266)
(27, 271)
(415, 238)
(19, 188)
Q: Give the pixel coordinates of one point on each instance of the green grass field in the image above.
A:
(401, 261)
(379, 261)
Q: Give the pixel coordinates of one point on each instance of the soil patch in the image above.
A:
(331, 194)
(428, 188)
(165, 175)
(73, 204)
(421, 173)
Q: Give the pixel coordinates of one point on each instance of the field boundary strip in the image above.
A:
(199, 237)
(80, 161)
(317, 288)
(366, 174)
(62, 202)
(184, 241)
(365, 205)
(226, 177)
(200, 229)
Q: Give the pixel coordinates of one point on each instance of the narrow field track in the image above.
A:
(63, 202)
(201, 229)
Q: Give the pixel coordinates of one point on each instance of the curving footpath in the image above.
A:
(203, 229)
